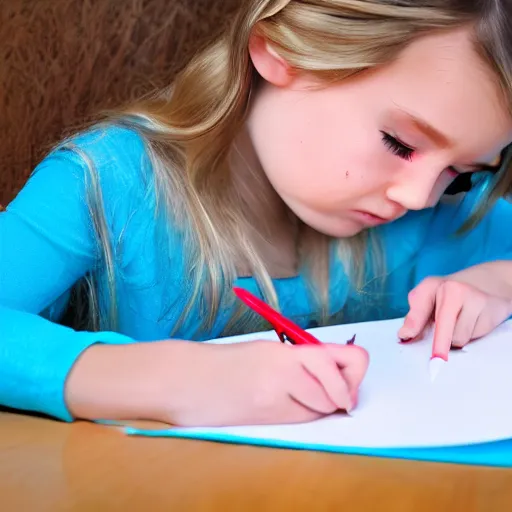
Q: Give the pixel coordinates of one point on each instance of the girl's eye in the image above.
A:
(396, 147)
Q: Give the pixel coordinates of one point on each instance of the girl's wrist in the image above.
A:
(118, 382)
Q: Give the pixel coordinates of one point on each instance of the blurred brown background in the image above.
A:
(63, 60)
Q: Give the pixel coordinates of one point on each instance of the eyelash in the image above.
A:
(401, 150)
(396, 147)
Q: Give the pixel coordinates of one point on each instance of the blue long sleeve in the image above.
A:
(445, 251)
(36, 356)
(46, 244)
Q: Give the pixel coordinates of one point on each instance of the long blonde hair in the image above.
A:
(190, 127)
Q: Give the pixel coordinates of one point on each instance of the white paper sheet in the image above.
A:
(399, 407)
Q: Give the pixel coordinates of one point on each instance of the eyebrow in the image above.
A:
(443, 141)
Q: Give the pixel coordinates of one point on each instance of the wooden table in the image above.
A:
(50, 466)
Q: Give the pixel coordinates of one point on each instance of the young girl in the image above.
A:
(306, 156)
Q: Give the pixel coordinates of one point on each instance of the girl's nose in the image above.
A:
(417, 190)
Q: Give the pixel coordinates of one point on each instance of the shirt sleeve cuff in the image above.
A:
(36, 357)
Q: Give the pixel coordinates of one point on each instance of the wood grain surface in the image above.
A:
(50, 466)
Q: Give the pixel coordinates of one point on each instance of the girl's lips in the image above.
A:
(369, 219)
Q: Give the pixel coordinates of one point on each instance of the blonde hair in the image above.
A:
(189, 131)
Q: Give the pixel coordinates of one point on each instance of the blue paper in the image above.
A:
(498, 454)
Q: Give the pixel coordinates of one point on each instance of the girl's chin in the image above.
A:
(336, 228)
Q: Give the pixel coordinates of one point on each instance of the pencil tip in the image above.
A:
(435, 365)
(352, 340)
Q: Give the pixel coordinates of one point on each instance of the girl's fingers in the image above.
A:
(353, 362)
(460, 312)
(448, 307)
(324, 371)
(494, 313)
(468, 319)
(308, 391)
(422, 300)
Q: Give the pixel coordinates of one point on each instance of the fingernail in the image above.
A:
(405, 334)
(345, 404)
(407, 330)
(352, 401)
(404, 339)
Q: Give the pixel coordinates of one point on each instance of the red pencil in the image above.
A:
(285, 328)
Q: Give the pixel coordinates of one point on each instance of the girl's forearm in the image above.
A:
(122, 381)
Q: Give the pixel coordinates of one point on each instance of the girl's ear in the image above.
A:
(273, 68)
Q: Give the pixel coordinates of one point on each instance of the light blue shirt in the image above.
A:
(47, 243)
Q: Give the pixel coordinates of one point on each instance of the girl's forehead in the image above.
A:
(442, 81)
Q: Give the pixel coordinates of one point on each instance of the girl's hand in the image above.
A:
(461, 312)
(193, 384)
(263, 382)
